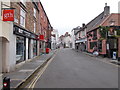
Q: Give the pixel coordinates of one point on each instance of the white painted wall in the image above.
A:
(9, 44)
(9, 47)
(55, 40)
(83, 34)
(73, 39)
(67, 41)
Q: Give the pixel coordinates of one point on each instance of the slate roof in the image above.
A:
(95, 22)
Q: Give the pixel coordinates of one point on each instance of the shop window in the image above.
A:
(100, 46)
(92, 44)
(95, 35)
(113, 43)
(20, 47)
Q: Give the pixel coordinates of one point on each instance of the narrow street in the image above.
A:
(71, 69)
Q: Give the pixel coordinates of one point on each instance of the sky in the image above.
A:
(64, 15)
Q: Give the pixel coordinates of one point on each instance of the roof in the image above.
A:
(76, 30)
(112, 19)
(95, 22)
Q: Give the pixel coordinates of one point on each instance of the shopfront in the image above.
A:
(26, 44)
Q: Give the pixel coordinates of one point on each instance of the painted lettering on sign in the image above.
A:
(8, 15)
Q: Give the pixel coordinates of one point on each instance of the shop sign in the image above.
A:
(8, 15)
(41, 37)
(24, 33)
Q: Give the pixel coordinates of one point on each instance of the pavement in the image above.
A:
(24, 71)
(110, 60)
(104, 58)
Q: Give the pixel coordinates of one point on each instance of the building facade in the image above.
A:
(103, 32)
(81, 39)
(93, 33)
(26, 37)
(45, 29)
(54, 39)
(73, 36)
(66, 41)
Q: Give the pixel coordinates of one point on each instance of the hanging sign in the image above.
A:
(8, 15)
(41, 37)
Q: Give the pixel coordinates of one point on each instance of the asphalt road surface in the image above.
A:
(71, 69)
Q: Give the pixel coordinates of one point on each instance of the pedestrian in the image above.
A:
(95, 51)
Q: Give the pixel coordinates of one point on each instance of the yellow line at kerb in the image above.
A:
(32, 85)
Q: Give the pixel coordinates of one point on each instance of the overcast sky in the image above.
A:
(64, 15)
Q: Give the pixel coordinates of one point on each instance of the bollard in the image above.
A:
(6, 83)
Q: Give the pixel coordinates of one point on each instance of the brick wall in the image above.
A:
(16, 12)
(29, 17)
(43, 20)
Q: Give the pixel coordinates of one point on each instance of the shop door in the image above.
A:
(20, 49)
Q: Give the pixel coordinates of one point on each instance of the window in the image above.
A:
(20, 49)
(22, 17)
(100, 46)
(34, 27)
(95, 35)
(34, 12)
(92, 44)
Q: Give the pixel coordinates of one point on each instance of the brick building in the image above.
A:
(103, 32)
(45, 28)
(23, 39)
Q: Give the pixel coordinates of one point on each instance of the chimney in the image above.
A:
(83, 25)
(106, 10)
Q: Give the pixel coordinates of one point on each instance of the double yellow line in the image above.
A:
(34, 81)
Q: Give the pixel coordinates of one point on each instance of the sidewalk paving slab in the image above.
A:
(27, 69)
(103, 58)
